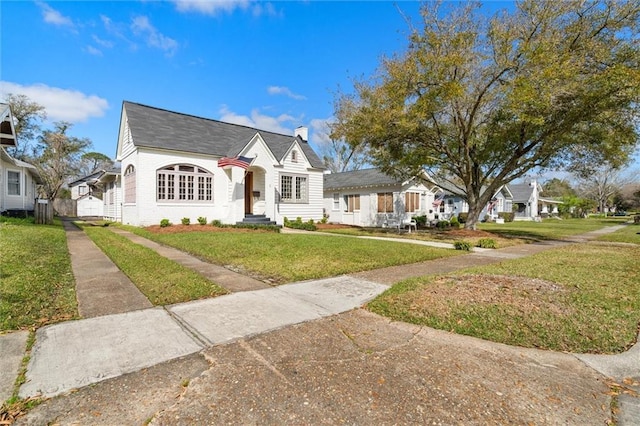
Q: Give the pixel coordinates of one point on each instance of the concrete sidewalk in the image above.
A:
(74, 354)
(101, 288)
(134, 344)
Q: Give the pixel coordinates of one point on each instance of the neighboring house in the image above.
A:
(18, 179)
(110, 182)
(529, 205)
(87, 195)
(449, 202)
(371, 198)
(85, 185)
(176, 166)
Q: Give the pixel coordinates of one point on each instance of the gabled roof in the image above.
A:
(4, 155)
(158, 128)
(359, 179)
(7, 129)
(89, 178)
(521, 192)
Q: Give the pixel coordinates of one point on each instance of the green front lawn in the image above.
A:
(628, 234)
(581, 298)
(548, 228)
(284, 258)
(36, 281)
(163, 281)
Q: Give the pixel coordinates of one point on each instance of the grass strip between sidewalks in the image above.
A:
(163, 281)
(284, 258)
(36, 281)
(582, 298)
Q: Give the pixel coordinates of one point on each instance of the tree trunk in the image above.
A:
(473, 218)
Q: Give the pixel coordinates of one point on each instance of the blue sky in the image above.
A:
(272, 65)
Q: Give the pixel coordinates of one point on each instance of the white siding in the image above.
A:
(25, 199)
(368, 214)
(314, 208)
(125, 141)
(148, 211)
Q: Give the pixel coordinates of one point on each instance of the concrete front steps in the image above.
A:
(256, 219)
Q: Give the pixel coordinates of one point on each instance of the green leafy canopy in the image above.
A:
(479, 101)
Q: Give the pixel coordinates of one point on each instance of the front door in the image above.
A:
(248, 193)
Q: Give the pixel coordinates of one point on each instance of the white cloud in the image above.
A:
(93, 51)
(320, 130)
(259, 121)
(52, 16)
(141, 25)
(60, 104)
(211, 7)
(265, 8)
(104, 43)
(279, 90)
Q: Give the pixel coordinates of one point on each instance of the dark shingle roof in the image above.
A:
(521, 192)
(358, 179)
(158, 128)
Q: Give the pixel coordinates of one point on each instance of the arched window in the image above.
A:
(184, 183)
(130, 185)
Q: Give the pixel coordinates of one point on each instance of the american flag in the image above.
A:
(239, 161)
(492, 204)
(438, 200)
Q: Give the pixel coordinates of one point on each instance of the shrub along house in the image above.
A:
(178, 166)
(18, 180)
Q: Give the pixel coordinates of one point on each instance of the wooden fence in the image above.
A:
(43, 212)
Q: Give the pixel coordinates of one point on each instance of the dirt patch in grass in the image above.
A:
(325, 226)
(526, 295)
(179, 229)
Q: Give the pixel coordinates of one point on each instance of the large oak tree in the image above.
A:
(479, 101)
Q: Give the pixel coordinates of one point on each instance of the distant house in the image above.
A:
(110, 182)
(18, 180)
(176, 166)
(87, 195)
(528, 203)
(371, 198)
(450, 202)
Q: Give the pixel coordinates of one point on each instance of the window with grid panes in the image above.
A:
(184, 183)
(294, 189)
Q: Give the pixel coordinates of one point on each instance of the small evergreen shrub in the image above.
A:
(421, 221)
(164, 223)
(186, 221)
(462, 217)
(454, 222)
(443, 224)
(507, 216)
(462, 245)
(202, 220)
(324, 219)
(299, 224)
(488, 243)
(217, 223)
